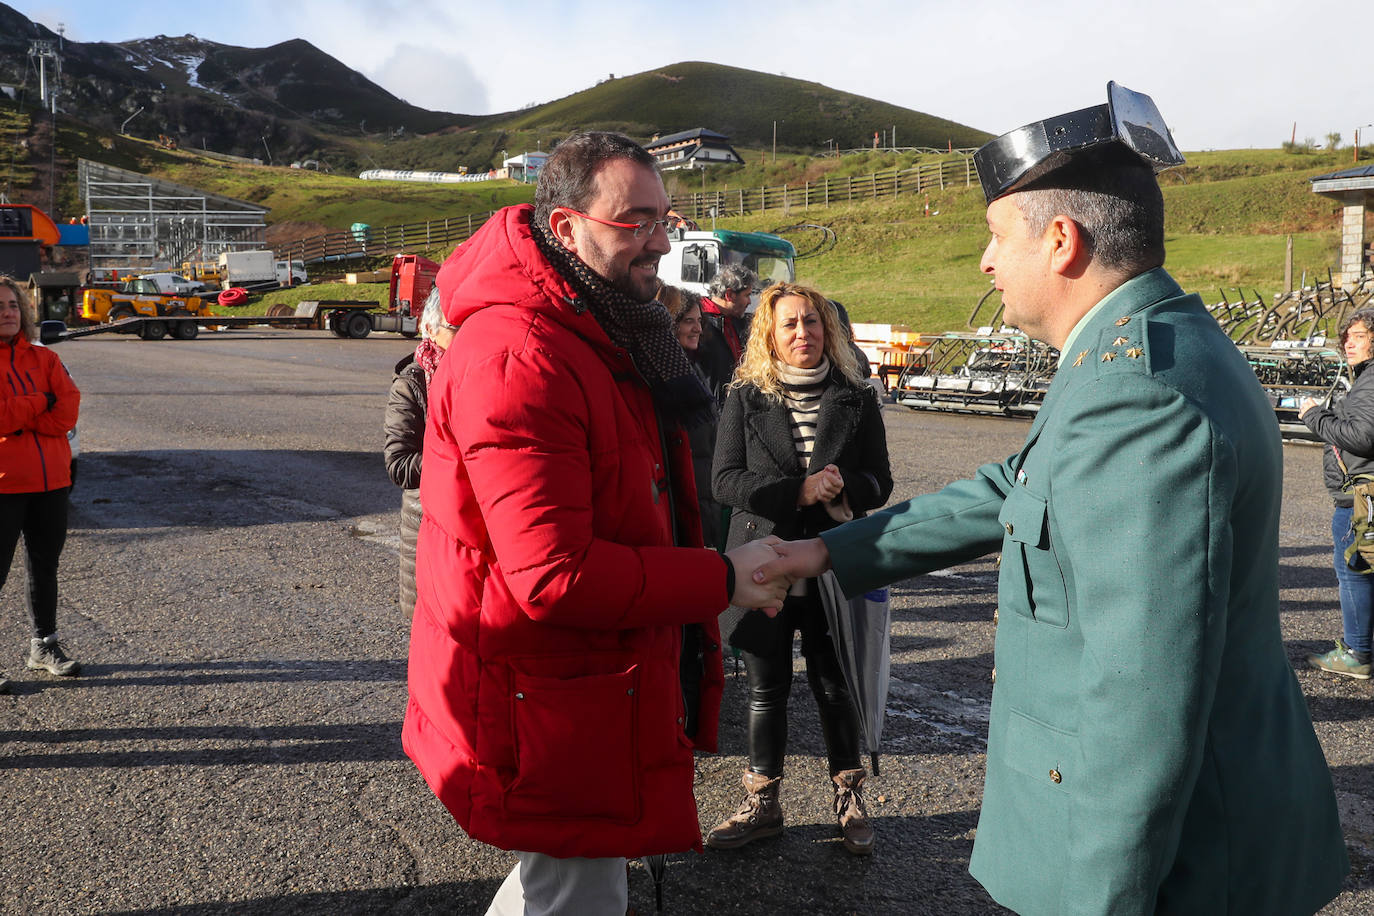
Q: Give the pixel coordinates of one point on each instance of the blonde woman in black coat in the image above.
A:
(800, 448)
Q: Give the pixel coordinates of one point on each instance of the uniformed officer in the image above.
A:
(1149, 749)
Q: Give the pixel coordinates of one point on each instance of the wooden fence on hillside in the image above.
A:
(830, 191)
(381, 241)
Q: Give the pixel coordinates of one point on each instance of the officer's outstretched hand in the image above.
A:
(764, 593)
(794, 560)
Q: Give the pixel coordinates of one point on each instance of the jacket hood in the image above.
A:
(500, 265)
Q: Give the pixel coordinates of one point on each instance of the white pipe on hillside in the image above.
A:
(433, 177)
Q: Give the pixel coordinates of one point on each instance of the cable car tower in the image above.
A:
(41, 51)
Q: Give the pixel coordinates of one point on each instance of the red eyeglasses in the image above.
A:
(637, 228)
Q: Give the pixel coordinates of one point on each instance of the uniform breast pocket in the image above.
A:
(1031, 581)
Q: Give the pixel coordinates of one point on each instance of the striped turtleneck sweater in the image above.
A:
(801, 392)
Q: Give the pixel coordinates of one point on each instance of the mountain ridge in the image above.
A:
(292, 101)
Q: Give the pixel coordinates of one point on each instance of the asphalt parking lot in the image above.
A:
(233, 745)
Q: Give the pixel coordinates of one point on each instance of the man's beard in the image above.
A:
(622, 281)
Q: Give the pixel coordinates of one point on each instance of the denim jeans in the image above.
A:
(1357, 589)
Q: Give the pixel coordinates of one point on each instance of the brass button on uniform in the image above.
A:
(1008, 527)
(994, 675)
(994, 616)
(1055, 777)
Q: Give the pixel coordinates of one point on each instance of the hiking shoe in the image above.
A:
(1344, 661)
(50, 655)
(851, 813)
(758, 816)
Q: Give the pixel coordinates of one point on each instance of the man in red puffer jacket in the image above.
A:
(558, 559)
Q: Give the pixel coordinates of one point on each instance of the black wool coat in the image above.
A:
(758, 474)
(402, 448)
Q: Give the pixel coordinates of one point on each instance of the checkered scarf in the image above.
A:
(642, 329)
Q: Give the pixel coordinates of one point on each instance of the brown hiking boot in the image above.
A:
(851, 813)
(758, 816)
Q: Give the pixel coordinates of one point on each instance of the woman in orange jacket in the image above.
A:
(38, 407)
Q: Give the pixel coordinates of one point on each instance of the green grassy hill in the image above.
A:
(1228, 215)
(337, 201)
(669, 99)
(692, 94)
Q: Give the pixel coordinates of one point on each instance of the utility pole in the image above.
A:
(775, 142)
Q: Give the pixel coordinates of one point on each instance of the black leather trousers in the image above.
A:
(770, 683)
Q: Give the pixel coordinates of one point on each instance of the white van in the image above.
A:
(171, 284)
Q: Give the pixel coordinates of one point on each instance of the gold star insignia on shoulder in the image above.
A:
(1123, 321)
(1135, 353)
(1119, 342)
(1109, 356)
(1079, 360)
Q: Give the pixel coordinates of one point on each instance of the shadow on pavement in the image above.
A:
(191, 674)
(212, 745)
(454, 897)
(218, 488)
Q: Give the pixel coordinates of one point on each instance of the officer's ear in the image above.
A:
(1067, 245)
(561, 225)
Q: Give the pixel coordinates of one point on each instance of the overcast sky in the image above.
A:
(1227, 75)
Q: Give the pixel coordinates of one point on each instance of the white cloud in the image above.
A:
(430, 78)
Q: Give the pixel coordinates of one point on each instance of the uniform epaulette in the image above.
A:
(1120, 347)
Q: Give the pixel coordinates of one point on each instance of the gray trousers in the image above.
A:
(541, 885)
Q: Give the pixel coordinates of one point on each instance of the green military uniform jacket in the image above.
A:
(1149, 749)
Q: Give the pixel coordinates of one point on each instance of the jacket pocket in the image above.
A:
(1031, 581)
(575, 741)
(1042, 752)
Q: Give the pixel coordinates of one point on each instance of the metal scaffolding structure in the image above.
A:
(140, 222)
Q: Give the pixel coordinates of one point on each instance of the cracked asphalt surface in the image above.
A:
(233, 745)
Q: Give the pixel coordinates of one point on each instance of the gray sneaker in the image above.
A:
(50, 655)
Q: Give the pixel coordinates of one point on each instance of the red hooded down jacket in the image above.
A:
(545, 705)
(35, 455)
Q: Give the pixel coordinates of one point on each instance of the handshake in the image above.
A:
(765, 569)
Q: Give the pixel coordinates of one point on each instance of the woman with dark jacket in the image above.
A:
(38, 407)
(696, 337)
(404, 427)
(801, 448)
(1347, 428)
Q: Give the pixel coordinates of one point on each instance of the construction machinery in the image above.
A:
(137, 307)
(140, 298)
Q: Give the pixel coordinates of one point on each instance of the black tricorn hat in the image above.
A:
(1129, 119)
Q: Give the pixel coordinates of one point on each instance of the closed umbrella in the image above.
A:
(860, 628)
(657, 864)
